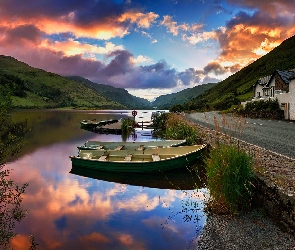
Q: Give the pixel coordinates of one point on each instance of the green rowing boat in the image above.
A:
(139, 160)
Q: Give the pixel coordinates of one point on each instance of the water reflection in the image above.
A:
(189, 178)
(73, 211)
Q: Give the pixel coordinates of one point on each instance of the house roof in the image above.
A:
(262, 81)
(285, 75)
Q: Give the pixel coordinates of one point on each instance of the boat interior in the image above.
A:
(142, 154)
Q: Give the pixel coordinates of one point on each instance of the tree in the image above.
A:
(11, 136)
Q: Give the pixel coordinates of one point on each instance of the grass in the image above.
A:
(175, 126)
(229, 176)
(229, 169)
(127, 125)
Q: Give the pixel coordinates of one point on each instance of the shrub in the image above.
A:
(176, 127)
(229, 175)
(263, 109)
(127, 127)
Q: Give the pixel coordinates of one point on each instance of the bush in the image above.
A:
(229, 174)
(263, 109)
(127, 125)
(176, 127)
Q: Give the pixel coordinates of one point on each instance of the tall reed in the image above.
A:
(229, 178)
(177, 127)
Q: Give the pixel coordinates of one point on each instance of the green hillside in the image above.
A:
(239, 87)
(115, 94)
(167, 101)
(36, 88)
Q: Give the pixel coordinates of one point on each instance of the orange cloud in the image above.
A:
(274, 7)
(174, 28)
(20, 242)
(72, 47)
(142, 20)
(127, 241)
(94, 237)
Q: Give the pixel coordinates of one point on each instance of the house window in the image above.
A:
(258, 94)
(272, 91)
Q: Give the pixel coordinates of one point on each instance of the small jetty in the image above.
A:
(113, 128)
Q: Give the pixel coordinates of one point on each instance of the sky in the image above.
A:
(150, 47)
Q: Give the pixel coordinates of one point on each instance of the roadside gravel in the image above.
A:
(251, 231)
(262, 139)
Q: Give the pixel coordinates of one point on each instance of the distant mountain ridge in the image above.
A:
(115, 94)
(36, 88)
(169, 100)
(239, 87)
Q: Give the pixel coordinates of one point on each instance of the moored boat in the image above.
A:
(130, 145)
(139, 160)
(90, 124)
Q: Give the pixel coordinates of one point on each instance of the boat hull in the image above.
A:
(138, 166)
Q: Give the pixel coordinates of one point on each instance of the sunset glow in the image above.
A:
(155, 44)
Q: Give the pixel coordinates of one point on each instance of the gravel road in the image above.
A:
(273, 135)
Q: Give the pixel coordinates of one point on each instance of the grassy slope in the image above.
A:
(239, 87)
(115, 94)
(167, 101)
(47, 90)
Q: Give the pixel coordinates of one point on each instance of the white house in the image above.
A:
(280, 85)
(292, 97)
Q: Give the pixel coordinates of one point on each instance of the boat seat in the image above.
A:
(119, 147)
(99, 147)
(103, 158)
(86, 155)
(128, 157)
(141, 147)
(156, 157)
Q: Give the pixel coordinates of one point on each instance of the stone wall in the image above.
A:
(278, 205)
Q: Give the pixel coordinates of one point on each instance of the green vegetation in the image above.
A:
(127, 125)
(179, 98)
(262, 109)
(11, 135)
(229, 169)
(229, 176)
(40, 89)
(239, 87)
(174, 126)
(115, 94)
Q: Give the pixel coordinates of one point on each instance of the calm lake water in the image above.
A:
(68, 209)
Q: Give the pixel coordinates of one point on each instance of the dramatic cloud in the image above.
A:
(84, 38)
(274, 7)
(174, 28)
(247, 37)
(93, 19)
(190, 77)
(215, 68)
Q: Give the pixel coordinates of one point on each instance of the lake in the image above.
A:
(68, 209)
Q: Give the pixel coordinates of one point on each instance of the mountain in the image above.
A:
(36, 88)
(115, 94)
(167, 101)
(239, 87)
